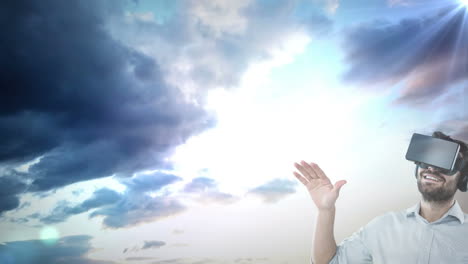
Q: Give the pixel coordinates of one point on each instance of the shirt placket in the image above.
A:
(426, 245)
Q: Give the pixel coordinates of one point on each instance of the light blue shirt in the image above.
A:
(406, 237)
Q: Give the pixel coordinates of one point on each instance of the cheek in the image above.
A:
(454, 180)
(419, 172)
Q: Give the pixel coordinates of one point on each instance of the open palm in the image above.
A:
(322, 191)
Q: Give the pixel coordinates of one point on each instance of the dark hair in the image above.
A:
(463, 150)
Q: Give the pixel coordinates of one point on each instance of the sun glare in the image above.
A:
(464, 2)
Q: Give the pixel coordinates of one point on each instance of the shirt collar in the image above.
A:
(454, 211)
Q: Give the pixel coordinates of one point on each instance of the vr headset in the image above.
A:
(442, 155)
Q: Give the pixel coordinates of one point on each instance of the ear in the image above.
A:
(416, 171)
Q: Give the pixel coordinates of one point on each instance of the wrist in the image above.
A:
(327, 210)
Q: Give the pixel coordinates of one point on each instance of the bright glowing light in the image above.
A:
(464, 2)
(49, 235)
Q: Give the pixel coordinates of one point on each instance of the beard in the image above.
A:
(436, 194)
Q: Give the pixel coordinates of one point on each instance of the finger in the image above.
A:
(319, 171)
(304, 171)
(338, 186)
(310, 170)
(300, 178)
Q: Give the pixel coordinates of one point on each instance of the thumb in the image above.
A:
(338, 186)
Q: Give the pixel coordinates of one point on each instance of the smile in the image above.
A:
(431, 177)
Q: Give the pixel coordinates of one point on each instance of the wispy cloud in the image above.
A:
(332, 6)
(132, 207)
(274, 190)
(63, 210)
(424, 52)
(199, 185)
(205, 190)
(393, 3)
(153, 244)
(137, 209)
(425, 57)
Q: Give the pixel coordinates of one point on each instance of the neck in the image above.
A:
(433, 211)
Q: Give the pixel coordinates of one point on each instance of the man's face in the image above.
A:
(436, 186)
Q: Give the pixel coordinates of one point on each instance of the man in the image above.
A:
(433, 231)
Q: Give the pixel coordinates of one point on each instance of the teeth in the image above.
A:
(431, 178)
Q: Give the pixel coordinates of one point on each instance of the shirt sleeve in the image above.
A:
(353, 250)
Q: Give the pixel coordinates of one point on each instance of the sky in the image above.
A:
(165, 131)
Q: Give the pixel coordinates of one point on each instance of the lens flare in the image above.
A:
(464, 2)
(49, 235)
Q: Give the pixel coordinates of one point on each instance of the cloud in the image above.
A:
(153, 244)
(275, 190)
(393, 3)
(63, 210)
(86, 104)
(424, 54)
(209, 44)
(10, 187)
(177, 231)
(71, 249)
(205, 190)
(332, 6)
(221, 17)
(108, 113)
(137, 206)
(146, 245)
(132, 207)
(137, 209)
(200, 184)
(149, 182)
(102, 92)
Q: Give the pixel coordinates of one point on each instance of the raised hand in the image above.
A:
(322, 191)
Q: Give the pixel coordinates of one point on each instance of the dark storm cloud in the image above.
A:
(72, 249)
(125, 209)
(428, 54)
(275, 190)
(10, 187)
(80, 99)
